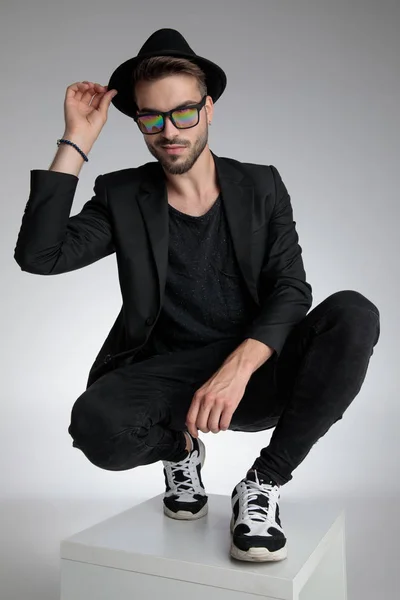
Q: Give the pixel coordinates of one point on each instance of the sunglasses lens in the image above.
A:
(150, 123)
(186, 117)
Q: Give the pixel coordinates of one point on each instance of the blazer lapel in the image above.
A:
(153, 202)
(238, 199)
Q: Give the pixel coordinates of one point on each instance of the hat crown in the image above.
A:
(163, 40)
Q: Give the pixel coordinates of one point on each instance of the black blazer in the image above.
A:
(128, 215)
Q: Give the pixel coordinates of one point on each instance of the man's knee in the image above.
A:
(96, 422)
(350, 299)
(89, 420)
(103, 435)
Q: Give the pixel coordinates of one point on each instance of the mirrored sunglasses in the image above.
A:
(183, 118)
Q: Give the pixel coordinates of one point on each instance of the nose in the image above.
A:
(169, 128)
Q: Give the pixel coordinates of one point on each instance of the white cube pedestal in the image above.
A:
(141, 553)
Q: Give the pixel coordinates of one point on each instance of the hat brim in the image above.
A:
(122, 79)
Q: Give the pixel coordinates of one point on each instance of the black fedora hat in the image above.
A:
(164, 42)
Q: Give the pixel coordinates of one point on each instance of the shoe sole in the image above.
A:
(186, 515)
(256, 554)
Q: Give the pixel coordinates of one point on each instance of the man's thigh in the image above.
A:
(178, 375)
(260, 407)
(157, 389)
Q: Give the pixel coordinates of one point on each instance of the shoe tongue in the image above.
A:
(255, 476)
(261, 500)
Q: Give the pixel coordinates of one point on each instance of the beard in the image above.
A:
(175, 164)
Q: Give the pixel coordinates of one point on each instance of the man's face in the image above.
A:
(166, 94)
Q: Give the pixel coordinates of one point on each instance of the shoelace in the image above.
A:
(186, 485)
(253, 510)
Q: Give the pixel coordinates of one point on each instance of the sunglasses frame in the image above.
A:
(169, 114)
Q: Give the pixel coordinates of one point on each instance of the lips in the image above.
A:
(174, 149)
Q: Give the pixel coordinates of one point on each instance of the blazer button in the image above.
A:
(107, 358)
(150, 321)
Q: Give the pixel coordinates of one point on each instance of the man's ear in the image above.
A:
(209, 109)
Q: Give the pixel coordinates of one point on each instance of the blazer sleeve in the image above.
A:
(285, 295)
(51, 242)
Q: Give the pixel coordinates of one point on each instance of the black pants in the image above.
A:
(135, 415)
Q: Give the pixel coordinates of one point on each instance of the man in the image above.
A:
(213, 332)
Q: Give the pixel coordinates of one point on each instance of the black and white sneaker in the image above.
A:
(256, 529)
(185, 496)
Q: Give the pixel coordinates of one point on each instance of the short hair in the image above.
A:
(158, 67)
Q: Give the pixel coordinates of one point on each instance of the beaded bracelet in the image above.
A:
(62, 141)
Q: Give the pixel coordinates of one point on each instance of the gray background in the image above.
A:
(322, 79)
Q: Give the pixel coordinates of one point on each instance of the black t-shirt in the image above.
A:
(205, 298)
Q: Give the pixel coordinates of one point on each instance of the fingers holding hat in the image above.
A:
(93, 91)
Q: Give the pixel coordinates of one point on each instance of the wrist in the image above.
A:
(249, 356)
(239, 363)
(79, 140)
